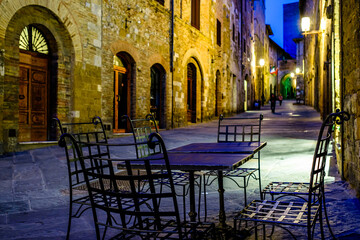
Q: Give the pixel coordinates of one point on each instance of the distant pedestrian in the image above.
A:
(280, 99)
(273, 102)
(262, 99)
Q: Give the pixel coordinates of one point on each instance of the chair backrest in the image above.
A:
(141, 129)
(83, 132)
(317, 174)
(239, 129)
(134, 211)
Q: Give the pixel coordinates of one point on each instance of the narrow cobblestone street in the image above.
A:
(33, 186)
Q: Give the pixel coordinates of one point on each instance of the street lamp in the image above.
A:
(306, 23)
(262, 62)
(305, 27)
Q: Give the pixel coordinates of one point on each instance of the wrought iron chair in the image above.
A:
(239, 129)
(302, 213)
(149, 215)
(83, 132)
(141, 129)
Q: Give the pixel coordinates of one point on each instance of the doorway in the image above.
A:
(191, 93)
(217, 94)
(33, 85)
(123, 79)
(157, 92)
(245, 95)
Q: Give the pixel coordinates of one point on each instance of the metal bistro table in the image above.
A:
(212, 156)
(209, 156)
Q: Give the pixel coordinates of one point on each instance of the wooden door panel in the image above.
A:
(38, 97)
(38, 119)
(38, 76)
(23, 96)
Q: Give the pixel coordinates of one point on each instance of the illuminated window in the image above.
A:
(195, 13)
(31, 39)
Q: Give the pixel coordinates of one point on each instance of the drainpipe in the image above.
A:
(342, 89)
(172, 60)
(241, 44)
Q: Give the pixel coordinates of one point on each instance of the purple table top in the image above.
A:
(221, 147)
(199, 161)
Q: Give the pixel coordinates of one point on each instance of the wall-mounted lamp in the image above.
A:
(305, 26)
(262, 62)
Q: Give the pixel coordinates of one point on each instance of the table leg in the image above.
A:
(222, 215)
(192, 213)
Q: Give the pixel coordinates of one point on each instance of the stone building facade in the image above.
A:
(332, 74)
(184, 61)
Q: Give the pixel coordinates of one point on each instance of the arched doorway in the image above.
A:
(217, 94)
(123, 84)
(246, 93)
(191, 93)
(286, 88)
(34, 97)
(157, 93)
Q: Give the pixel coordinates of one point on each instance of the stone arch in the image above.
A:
(58, 8)
(121, 46)
(62, 54)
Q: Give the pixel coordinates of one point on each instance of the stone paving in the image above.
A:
(33, 184)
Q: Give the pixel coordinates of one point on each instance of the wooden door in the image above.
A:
(156, 94)
(33, 97)
(191, 94)
(121, 100)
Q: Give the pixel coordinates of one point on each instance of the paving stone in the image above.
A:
(23, 157)
(14, 207)
(21, 186)
(6, 173)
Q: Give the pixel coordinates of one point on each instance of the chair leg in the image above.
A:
(245, 196)
(199, 202)
(69, 221)
(184, 202)
(205, 203)
(326, 215)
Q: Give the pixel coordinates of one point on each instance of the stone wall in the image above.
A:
(351, 90)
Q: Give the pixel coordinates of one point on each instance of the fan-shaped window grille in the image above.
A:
(31, 39)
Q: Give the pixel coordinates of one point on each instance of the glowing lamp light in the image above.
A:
(262, 62)
(323, 24)
(297, 70)
(305, 24)
(292, 75)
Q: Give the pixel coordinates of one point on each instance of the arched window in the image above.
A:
(31, 39)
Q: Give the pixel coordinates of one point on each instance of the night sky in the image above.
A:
(274, 17)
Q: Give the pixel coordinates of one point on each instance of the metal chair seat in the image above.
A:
(277, 212)
(282, 189)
